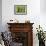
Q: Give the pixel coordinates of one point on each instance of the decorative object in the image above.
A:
(27, 21)
(20, 9)
(13, 21)
(41, 36)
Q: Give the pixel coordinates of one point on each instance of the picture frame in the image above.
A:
(20, 9)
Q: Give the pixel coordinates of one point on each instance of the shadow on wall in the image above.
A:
(43, 6)
(0, 15)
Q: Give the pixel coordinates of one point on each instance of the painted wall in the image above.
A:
(43, 14)
(43, 6)
(34, 14)
(0, 15)
(33, 11)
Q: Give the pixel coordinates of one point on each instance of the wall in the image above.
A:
(8, 11)
(34, 14)
(43, 14)
(0, 15)
(43, 6)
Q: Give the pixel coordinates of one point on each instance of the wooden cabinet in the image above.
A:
(22, 33)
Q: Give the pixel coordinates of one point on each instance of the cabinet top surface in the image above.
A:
(19, 23)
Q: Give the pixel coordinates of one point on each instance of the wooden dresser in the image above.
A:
(22, 33)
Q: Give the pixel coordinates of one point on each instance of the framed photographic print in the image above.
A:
(20, 9)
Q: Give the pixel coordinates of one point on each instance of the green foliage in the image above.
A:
(40, 33)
